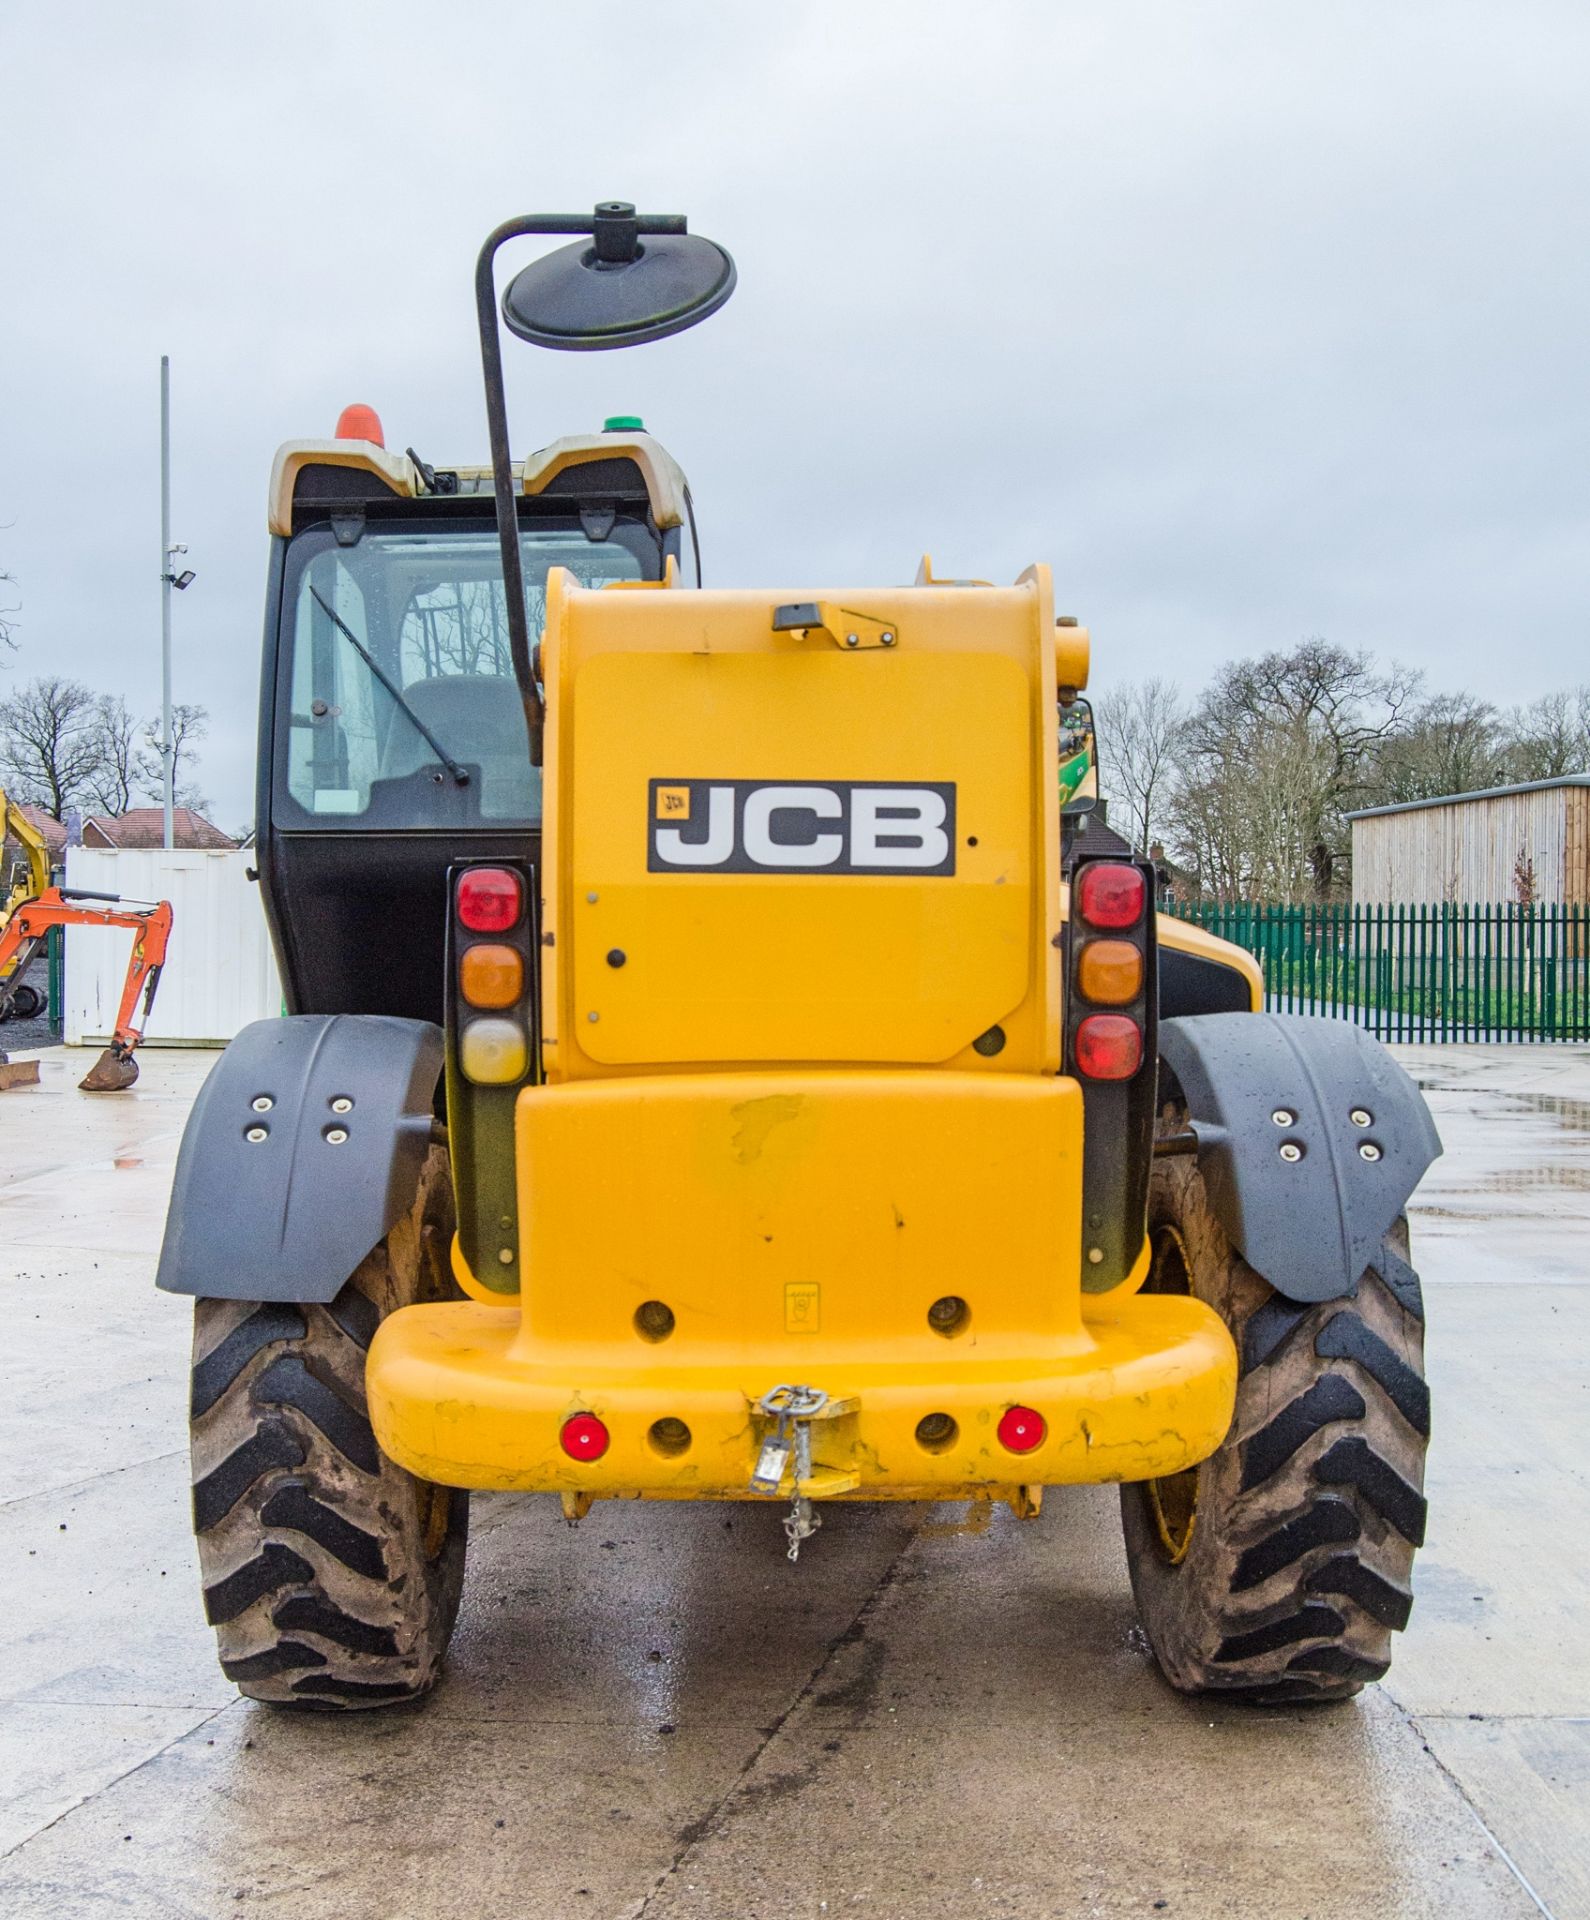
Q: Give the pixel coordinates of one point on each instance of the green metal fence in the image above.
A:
(1447, 972)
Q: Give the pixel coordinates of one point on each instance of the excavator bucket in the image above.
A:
(110, 1073)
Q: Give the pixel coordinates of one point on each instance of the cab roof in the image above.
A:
(626, 463)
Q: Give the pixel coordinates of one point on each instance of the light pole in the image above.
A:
(165, 588)
(169, 578)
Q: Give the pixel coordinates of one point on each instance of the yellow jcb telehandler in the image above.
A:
(714, 1073)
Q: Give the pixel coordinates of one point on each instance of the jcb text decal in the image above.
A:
(770, 826)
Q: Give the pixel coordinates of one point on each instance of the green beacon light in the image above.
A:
(623, 423)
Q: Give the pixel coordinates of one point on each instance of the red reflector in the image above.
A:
(490, 899)
(1109, 1047)
(1020, 1429)
(583, 1437)
(360, 423)
(1110, 896)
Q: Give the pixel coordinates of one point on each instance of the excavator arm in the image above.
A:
(30, 921)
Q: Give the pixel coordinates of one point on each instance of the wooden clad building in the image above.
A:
(1473, 847)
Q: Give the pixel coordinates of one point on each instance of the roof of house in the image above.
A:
(1094, 836)
(49, 828)
(146, 827)
(1481, 793)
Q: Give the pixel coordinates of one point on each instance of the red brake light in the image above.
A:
(1109, 1047)
(360, 423)
(1020, 1429)
(490, 899)
(583, 1437)
(1111, 896)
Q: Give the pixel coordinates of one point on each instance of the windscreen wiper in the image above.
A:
(460, 774)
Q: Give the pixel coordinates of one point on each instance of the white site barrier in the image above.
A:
(220, 971)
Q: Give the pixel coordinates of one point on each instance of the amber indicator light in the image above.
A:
(1110, 972)
(491, 975)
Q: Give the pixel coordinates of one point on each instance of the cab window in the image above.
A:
(397, 660)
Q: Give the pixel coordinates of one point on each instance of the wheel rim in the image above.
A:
(437, 1520)
(1173, 1500)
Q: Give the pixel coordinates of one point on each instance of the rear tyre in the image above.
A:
(1279, 1568)
(331, 1575)
(27, 1003)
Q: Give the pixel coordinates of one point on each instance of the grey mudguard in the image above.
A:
(1309, 1225)
(289, 1216)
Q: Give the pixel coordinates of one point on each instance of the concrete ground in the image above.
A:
(654, 1715)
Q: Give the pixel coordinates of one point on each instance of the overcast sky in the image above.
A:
(1256, 320)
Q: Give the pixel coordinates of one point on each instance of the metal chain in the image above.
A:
(790, 1407)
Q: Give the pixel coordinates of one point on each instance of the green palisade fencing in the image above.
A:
(1447, 972)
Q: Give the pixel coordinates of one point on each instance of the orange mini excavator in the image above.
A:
(26, 918)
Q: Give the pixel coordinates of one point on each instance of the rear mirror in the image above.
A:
(620, 290)
(1078, 759)
(641, 277)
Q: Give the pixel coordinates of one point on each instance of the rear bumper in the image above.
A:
(457, 1396)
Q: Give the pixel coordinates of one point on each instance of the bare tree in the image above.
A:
(189, 725)
(1551, 736)
(1137, 728)
(8, 637)
(1525, 887)
(1272, 755)
(50, 745)
(110, 787)
(1453, 743)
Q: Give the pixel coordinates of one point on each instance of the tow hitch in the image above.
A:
(789, 1412)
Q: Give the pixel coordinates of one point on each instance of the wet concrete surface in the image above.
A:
(939, 1711)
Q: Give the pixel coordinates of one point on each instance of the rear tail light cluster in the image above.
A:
(1109, 1010)
(492, 979)
(1112, 1043)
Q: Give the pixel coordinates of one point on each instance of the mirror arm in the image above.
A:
(497, 425)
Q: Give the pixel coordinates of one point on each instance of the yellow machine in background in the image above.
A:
(716, 1071)
(27, 870)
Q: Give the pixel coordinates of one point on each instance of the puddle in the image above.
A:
(1570, 1179)
(977, 1519)
(1574, 1114)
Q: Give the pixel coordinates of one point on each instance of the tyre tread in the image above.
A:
(290, 1381)
(1345, 1337)
(218, 1371)
(1298, 1569)
(330, 1575)
(273, 1443)
(1328, 1521)
(276, 1566)
(1331, 1398)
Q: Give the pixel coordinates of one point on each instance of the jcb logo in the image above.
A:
(766, 826)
